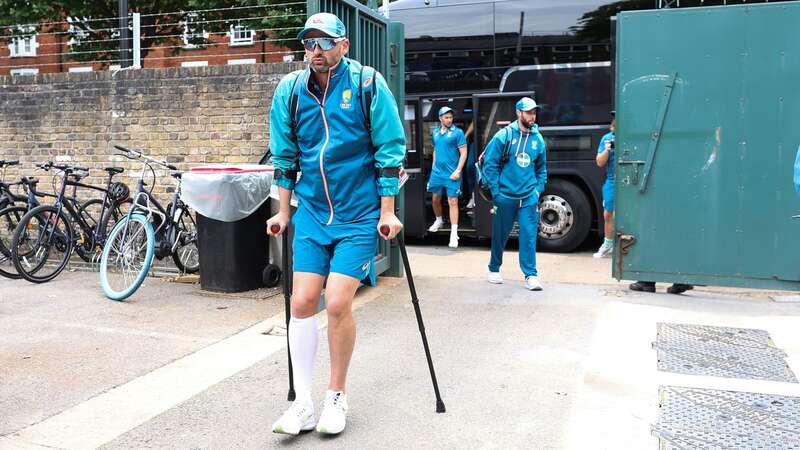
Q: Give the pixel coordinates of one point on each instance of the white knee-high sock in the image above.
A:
(303, 340)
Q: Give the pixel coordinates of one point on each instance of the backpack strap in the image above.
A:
(506, 149)
(366, 85)
(293, 103)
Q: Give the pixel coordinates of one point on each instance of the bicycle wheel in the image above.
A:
(42, 244)
(115, 214)
(186, 256)
(127, 256)
(90, 211)
(9, 219)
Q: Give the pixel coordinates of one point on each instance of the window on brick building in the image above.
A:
(193, 33)
(236, 62)
(25, 71)
(240, 35)
(23, 45)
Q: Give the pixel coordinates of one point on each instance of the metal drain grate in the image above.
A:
(720, 352)
(706, 419)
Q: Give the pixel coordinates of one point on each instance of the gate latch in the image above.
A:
(636, 164)
(626, 241)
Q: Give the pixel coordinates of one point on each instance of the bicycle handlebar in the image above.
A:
(131, 154)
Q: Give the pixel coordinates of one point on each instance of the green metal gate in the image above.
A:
(374, 41)
(707, 107)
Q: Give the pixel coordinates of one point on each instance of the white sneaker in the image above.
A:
(332, 420)
(471, 203)
(532, 283)
(437, 224)
(495, 278)
(453, 241)
(299, 417)
(604, 250)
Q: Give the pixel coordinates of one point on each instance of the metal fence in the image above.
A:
(235, 35)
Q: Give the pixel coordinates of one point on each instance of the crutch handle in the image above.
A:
(275, 228)
(385, 230)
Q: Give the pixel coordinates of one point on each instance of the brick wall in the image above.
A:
(188, 116)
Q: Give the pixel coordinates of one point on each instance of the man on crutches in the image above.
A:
(337, 123)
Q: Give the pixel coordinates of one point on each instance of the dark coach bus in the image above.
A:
(479, 57)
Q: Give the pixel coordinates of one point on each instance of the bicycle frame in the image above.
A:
(143, 201)
(71, 205)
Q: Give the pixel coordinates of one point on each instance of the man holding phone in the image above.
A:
(607, 158)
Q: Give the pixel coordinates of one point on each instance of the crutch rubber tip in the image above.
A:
(275, 228)
(291, 396)
(439, 406)
(385, 230)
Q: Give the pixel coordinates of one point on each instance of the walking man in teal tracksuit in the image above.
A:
(515, 168)
(337, 123)
(449, 156)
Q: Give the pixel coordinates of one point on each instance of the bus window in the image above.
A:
(410, 128)
(570, 143)
(494, 114)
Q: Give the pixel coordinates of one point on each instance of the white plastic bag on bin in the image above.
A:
(226, 192)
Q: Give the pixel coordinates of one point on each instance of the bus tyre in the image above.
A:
(565, 216)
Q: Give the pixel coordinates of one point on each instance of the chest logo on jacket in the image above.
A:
(523, 160)
(347, 95)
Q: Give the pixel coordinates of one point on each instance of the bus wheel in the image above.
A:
(565, 217)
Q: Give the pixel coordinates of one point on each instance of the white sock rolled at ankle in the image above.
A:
(303, 341)
(453, 230)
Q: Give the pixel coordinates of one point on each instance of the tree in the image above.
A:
(595, 25)
(93, 33)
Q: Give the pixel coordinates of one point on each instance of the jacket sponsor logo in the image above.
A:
(535, 145)
(513, 141)
(347, 95)
(365, 266)
(367, 81)
(523, 160)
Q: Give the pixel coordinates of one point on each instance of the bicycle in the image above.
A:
(9, 219)
(149, 230)
(7, 197)
(48, 229)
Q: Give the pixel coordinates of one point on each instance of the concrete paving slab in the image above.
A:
(63, 342)
(507, 359)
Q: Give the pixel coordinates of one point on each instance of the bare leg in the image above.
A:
(452, 202)
(608, 227)
(437, 205)
(341, 326)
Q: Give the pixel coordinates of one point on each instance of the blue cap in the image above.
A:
(444, 110)
(526, 104)
(325, 22)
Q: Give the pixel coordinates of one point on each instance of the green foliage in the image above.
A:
(162, 23)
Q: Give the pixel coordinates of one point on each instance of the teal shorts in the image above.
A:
(348, 249)
(440, 186)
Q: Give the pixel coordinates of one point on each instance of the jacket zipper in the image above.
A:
(327, 139)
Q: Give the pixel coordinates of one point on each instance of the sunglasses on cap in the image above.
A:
(324, 43)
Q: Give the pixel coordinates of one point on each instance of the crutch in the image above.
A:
(401, 243)
(287, 295)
